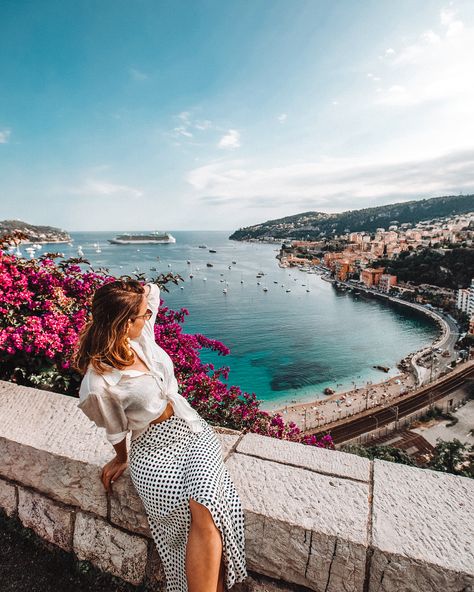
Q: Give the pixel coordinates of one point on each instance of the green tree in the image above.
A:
(452, 457)
(390, 453)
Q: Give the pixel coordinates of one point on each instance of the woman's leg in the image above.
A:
(220, 581)
(203, 551)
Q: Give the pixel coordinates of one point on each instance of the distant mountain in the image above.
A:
(39, 234)
(315, 225)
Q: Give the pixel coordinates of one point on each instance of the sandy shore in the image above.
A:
(339, 405)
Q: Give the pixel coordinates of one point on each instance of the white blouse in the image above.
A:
(124, 400)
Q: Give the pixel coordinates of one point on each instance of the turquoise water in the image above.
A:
(284, 346)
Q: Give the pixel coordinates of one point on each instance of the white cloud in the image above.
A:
(203, 125)
(4, 136)
(437, 66)
(137, 74)
(95, 187)
(333, 183)
(188, 126)
(230, 140)
(282, 117)
(389, 51)
(183, 131)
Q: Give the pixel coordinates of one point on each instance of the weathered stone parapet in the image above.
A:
(314, 519)
(421, 528)
(50, 520)
(113, 550)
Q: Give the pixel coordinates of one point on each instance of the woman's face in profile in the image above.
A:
(135, 324)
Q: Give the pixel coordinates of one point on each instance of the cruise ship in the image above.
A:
(143, 239)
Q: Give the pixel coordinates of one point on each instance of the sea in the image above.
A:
(287, 343)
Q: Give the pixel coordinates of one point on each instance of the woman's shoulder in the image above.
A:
(92, 382)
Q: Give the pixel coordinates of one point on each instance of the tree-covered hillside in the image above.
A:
(453, 269)
(34, 232)
(314, 225)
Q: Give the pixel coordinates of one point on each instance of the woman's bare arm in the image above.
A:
(121, 450)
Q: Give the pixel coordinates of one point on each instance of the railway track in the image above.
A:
(375, 418)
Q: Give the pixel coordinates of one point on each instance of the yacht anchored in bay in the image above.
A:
(143, 239)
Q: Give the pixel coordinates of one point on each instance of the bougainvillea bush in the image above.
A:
(44, 304)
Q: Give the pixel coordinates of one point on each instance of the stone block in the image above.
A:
(49, 520)
(227, 441)
(300, 526)
(60, 452)
(8, 498)
(422, 529)
(126, 507)
(155, 573)
(320, 460)
(57, 476)
(110, 549)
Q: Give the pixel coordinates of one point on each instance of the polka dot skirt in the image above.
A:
(170, 464)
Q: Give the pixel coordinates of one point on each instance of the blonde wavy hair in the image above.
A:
(103, 339)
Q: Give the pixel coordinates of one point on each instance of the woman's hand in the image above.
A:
(112, 471)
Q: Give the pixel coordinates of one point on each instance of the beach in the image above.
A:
(344, 404)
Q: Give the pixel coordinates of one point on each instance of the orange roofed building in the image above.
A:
(370, 276)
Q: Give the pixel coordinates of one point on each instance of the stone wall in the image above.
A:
(315, 519)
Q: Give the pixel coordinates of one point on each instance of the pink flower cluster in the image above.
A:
(43, 306)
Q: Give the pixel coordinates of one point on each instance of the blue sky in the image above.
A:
(214, 115)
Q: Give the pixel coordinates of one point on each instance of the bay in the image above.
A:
(285, 346)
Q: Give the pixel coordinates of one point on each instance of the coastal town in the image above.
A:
(359, 263)
(354, 257)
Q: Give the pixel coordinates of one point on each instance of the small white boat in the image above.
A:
(225, 290)
(188, 262)
(191, 275)
(265, 289)
(288, 290)
(204, 279)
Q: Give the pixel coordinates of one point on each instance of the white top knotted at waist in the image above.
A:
(124, 400)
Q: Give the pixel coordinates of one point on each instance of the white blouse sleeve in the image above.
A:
(106, 412)
(153, 300)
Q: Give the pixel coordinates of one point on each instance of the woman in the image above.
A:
(176, 465)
